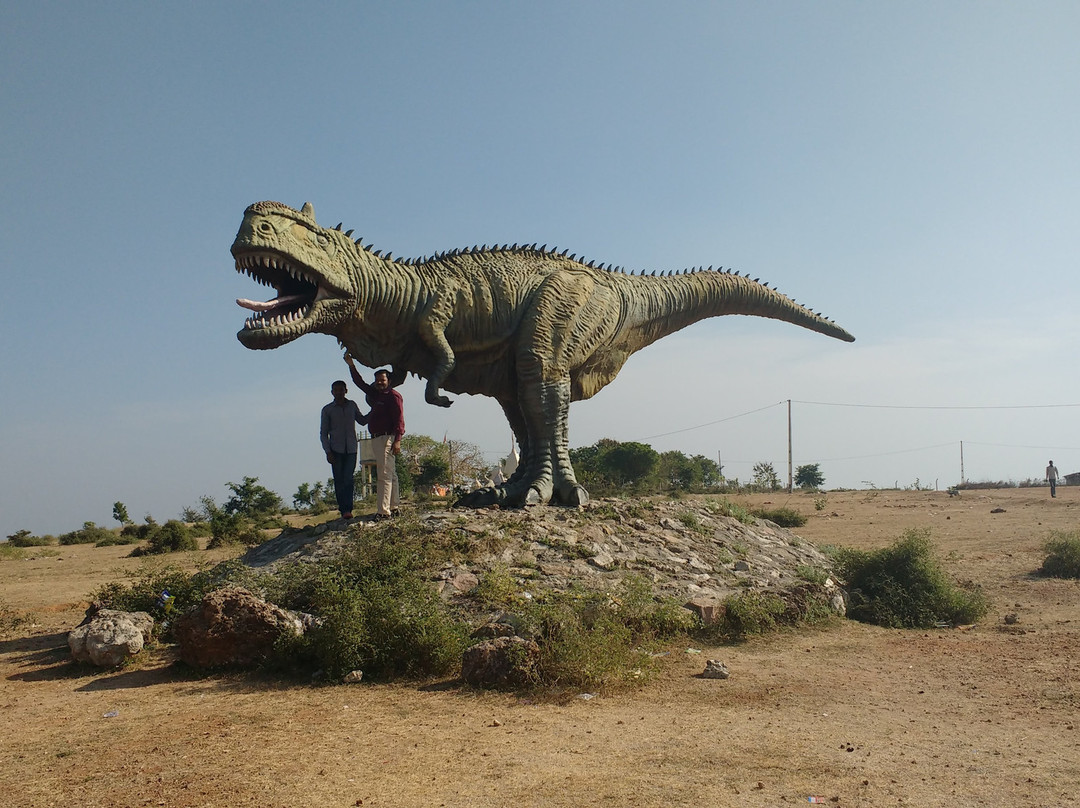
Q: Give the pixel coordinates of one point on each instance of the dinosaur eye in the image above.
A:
(265, 227)
(323, 240)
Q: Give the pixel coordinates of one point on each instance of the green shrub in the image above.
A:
(496, 588)
(171, 537)
(1063, 555)
(186, 588)
(387, 629)
(381, 614)
(232, 528)
(785, 517)
(88, 534)
(751, 613)
(814, 575)
(596, 639)
(24, 538)
(903, 586)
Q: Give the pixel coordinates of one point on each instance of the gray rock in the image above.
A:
(604, 560)
(715, 669)
(108, 638)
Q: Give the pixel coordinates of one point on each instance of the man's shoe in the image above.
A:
(347, 515)
(378, 517)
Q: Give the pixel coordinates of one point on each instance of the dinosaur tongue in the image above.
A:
(269, 305)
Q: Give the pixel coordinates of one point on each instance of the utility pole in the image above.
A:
(789, 478)
(962, 480)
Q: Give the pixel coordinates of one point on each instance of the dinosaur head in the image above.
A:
(305, 264)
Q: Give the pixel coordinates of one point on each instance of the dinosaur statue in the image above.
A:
(531, 327)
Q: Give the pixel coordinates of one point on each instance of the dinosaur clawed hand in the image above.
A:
(437, 400)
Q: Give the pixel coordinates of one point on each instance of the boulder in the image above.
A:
(107, 637)
(708, 610)
(233, 627)
(501, 661)
(715, 669)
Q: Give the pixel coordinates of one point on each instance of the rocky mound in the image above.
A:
(687, 548)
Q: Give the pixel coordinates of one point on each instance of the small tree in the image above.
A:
(251, 499)
(629, 463)
(809, 476)
(304, 497)
(120, 514)
(765, 476)
(676, 471)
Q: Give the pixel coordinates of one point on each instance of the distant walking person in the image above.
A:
(337, 430)
(1052, 478)
(386, 423)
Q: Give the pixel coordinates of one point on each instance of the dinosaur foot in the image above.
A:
(504, 496)
(571, 494)
(481, 498)
(524, 495)
(521, 493)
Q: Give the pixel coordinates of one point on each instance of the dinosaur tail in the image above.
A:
(672, 303)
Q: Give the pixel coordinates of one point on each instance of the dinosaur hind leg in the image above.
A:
(511, 492)
(545, 473)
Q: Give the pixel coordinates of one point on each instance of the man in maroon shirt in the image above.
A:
(386, 423)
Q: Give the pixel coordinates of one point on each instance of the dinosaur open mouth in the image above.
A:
(297, 292)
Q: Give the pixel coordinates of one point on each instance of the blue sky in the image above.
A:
(909, 169)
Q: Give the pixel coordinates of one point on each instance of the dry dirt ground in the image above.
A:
(851, 715)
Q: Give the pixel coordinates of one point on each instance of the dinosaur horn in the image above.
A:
(308, 210)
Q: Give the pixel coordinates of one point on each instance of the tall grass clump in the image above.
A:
(904, 586)
(785, 517)
(725, 507)
(1062, 555)
(751, 613)
(590, 639)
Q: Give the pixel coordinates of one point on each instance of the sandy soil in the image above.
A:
(852, 715)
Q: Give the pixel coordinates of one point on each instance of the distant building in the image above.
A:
(1072, 479)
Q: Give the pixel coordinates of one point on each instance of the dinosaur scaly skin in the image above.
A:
(532, 328)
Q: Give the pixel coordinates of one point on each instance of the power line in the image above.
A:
(938, 407)
(1015, 446)
(886, 454)
(711, 423)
